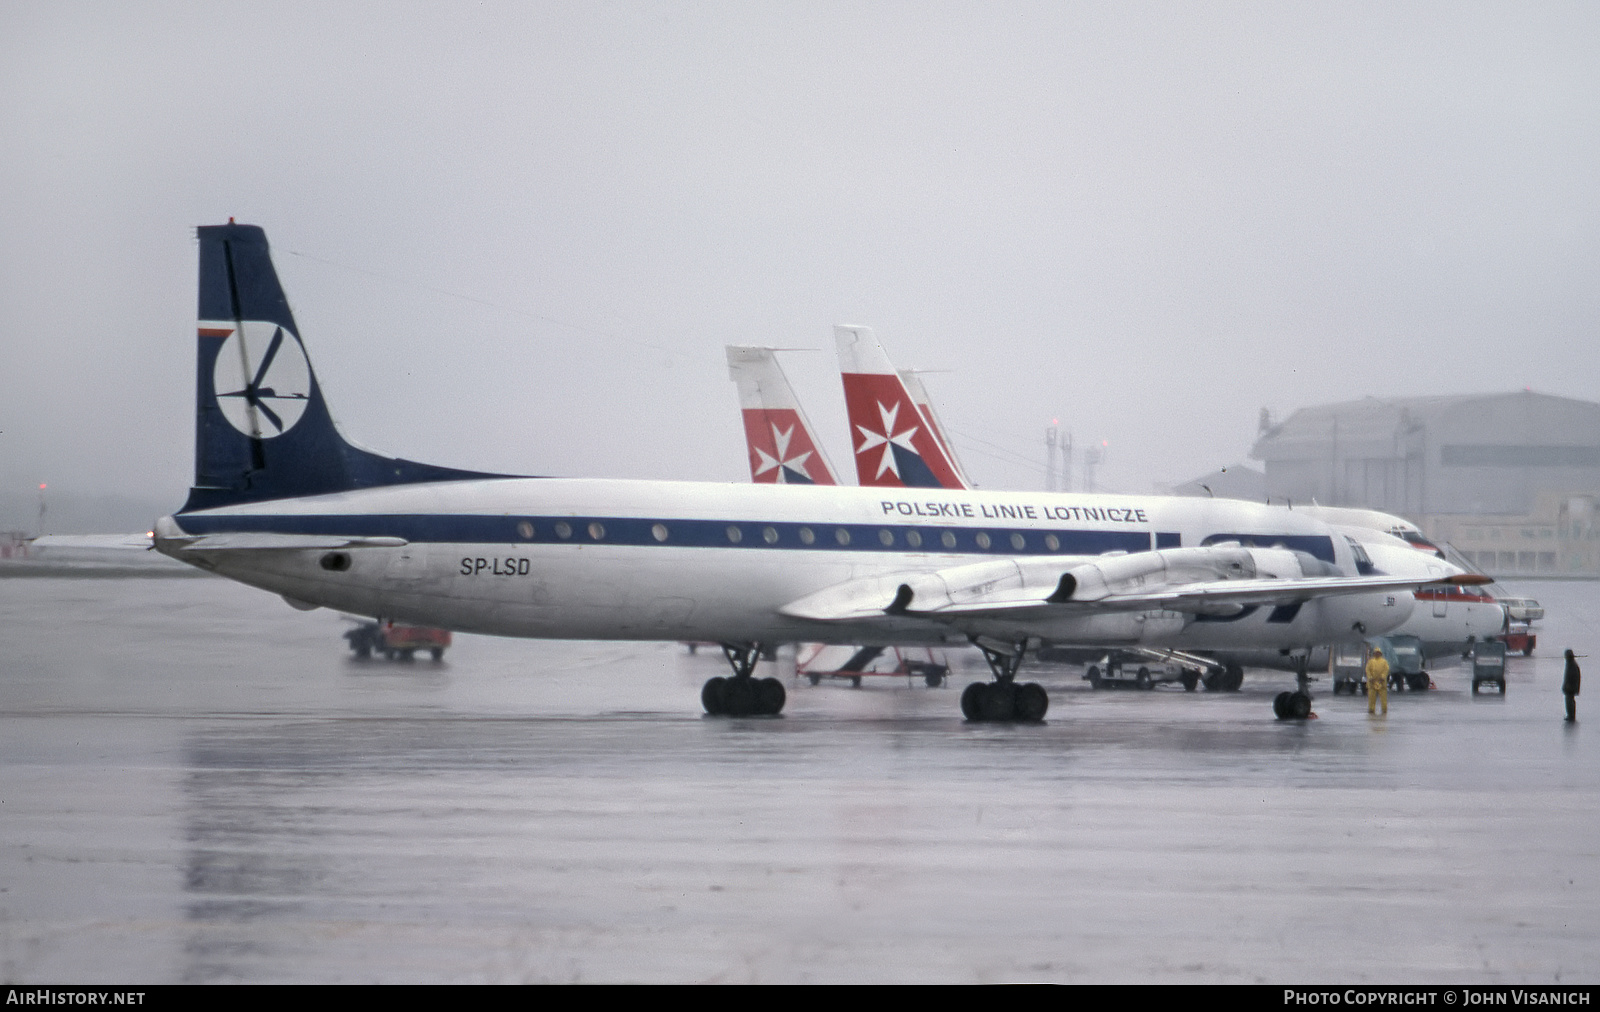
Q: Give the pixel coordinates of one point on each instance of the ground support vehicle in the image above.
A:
(817, 661)
(1489, 665)
(1404, 654)
(1144, 670)
(396, 642)
(1350, 668)
(1523, 609)
(1520, 638)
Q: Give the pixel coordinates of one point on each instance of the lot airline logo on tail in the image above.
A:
(781, 450)
(894, 449)
(262, 379)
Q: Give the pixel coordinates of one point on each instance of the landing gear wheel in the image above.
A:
(972, 701)
(1190, 680)
(711, 696)
(815, 679)
(1280, 705)
(770, 697)
(437, 652)
(1213, 680)
(1233, 678)
(1093, 675)
(1299, 706)
(1032, 702)
(1143, 679)
(999, 701)
(855, 681)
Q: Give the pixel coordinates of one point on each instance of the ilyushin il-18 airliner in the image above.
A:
(283, 502)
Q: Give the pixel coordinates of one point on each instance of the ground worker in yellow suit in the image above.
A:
(1377, 681)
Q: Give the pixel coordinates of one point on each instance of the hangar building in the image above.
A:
(1511, 480)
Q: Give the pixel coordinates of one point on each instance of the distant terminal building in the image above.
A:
(1511, 480)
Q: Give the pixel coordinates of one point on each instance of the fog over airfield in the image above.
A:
(516, 236)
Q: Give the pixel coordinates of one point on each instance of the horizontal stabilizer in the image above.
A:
(283, 542)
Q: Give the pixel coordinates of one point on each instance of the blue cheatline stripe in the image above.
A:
(588, 530)
(1316, 545)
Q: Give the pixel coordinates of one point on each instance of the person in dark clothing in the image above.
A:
(1569, 686)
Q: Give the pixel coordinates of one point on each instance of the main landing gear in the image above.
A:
(1003, 698)
(1229, 679)
(1296, 705)
(742, 695)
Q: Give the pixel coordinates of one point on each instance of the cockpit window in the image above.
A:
(1416, 539)
(1364, 566)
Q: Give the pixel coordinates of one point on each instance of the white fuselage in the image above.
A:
(1445, 618)
(612, 559)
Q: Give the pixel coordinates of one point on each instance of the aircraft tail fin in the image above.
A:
(782, 444)
(262, 428)
(930, 417)
(895, 445)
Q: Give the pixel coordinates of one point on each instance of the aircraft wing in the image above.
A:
(1199, 581)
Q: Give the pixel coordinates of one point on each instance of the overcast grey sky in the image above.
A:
(517, 236)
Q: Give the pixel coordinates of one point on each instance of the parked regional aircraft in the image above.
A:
(1453, 618)
(281, 501)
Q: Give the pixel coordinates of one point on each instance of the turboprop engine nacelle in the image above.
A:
(1148, 571)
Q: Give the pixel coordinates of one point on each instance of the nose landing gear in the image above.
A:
(1296, 705)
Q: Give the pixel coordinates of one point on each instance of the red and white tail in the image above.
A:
(930, 417)
(782, 445)
(896, 443)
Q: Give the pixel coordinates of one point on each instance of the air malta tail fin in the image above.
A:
(895, 446)
(262, 429)
(782, 444)
(930, 417)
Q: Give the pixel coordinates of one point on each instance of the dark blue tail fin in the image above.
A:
(262, 429)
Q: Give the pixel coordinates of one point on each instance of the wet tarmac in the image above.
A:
(198, 784)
